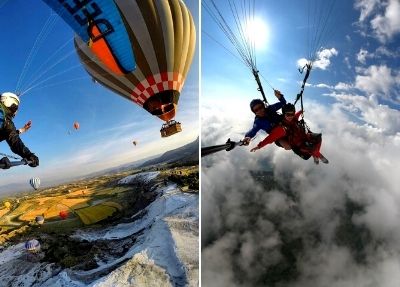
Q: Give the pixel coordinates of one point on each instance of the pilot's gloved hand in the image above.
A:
(5, 163)
(246, 141)
(34, 160)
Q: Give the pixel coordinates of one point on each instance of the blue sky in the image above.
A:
(108, 122)
(353, 99)
(364, 38)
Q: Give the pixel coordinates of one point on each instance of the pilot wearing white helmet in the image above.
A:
(9, 103)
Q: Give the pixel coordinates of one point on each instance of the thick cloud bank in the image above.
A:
(272, 219)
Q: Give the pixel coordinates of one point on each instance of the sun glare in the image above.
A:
(257, 32)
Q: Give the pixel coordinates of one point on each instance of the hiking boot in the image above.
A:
(323, 159)
(316, 160)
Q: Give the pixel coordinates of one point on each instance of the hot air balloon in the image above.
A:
(101, 28)
(63, 214)
(32, 246)
(76, 125)
(134, 142)
(39, 219)
(35, 182)
(162, 37)
(7, 204)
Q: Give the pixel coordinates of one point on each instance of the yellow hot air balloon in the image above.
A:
(7, 204)
(162, 38)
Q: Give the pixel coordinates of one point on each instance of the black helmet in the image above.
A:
(255, 102)
(288, 108)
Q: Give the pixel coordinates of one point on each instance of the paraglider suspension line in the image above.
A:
(260, 87)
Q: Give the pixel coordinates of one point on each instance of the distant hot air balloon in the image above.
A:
(39, 219)
(35, 182)
(7, 204)
(162, 38)
(135, 142)
(76, 125)
(63, 214)
(32, 245)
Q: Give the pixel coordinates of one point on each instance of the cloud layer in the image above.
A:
(304, 225)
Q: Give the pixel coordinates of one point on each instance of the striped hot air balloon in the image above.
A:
(39, 219)
(32, 246)
(162, 38)
(35, 182)
(99, 24)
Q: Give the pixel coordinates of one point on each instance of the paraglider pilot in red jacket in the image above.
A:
(291, 131)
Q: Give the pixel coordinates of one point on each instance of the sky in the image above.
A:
(38, 52)
(345, 214)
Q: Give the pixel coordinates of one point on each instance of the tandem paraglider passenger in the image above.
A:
(292, 133)
(9, 103)
(266, 116)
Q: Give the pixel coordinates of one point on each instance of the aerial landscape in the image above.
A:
(141, 222)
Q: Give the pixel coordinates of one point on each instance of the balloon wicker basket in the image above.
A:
(170, 128)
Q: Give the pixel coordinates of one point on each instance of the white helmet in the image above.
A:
(8, 99)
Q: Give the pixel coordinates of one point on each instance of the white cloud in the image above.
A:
(336, 224)
(347, 62)
(362, 56)
(343, 86)
(379, 80)
(323, 86)
(384, 15)
(384, 51)
(322, 60)
(366, 7)
(386, 26)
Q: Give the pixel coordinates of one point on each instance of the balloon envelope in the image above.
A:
(39, 219)
(35, 182)
(7, 204)
(63, 214)
(162, 38)
(32, 245)
(100, 26)
(76, 125)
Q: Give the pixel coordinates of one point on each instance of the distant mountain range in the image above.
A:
(186, 153)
